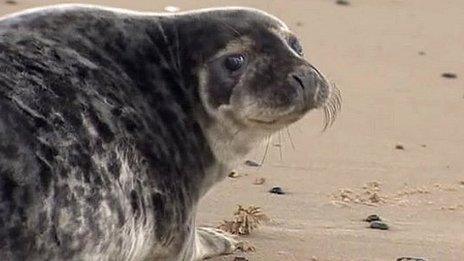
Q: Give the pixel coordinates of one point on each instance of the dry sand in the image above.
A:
(387, 57)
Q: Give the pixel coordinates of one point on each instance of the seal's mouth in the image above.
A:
(328, 101)
(265, 122)
(279, 122)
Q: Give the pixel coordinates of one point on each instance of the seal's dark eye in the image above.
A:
(295, 45)
(234, 62)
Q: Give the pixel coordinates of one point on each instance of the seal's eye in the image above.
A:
(296, 46)
(234, 62)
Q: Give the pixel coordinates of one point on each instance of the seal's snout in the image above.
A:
(316, 92)
(314, 86)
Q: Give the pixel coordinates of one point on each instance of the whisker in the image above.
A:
(265, 151)
(290, 138)
(326, 121)
(332, 107)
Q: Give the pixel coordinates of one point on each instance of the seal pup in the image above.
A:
(114, 123)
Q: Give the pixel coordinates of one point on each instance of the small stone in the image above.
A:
(259, 181)
(299, 23)
(251, 163)
(399, 147)
(11, 2)
(461, 182)
(240, 258)
(410, 259)
(449, 75)
(277, 190)
(424, 146)
(171, 9)
(379, 225)
(372, 218)
(233, 174)
(422, 53)
(374, 198)
(342, 2)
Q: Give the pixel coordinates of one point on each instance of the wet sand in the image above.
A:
(387, 57)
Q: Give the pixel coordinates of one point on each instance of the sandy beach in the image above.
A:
(396, 149)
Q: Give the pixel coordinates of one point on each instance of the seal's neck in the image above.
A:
(230, 143)
(229, 146)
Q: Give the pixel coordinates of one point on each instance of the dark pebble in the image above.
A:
(342, 2)
(240, 258)
(449, 75)
(371, 218)
(233, 174)
(11, 2)
(379, 225)
(410, 259)
(277, 190)
(399, 147)
(252, 163)
(422, 53)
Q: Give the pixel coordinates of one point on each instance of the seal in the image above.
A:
(114, 123)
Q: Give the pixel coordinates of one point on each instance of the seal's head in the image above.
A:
(253, 72)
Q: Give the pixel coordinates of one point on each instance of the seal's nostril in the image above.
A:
(299, 81)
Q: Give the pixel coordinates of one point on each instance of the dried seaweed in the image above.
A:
(244, 221)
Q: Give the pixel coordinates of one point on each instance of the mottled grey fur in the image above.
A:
(106, 140)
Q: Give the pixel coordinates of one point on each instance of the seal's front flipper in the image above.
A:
(212, 242)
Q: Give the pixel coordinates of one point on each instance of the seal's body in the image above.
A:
(113, 124)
